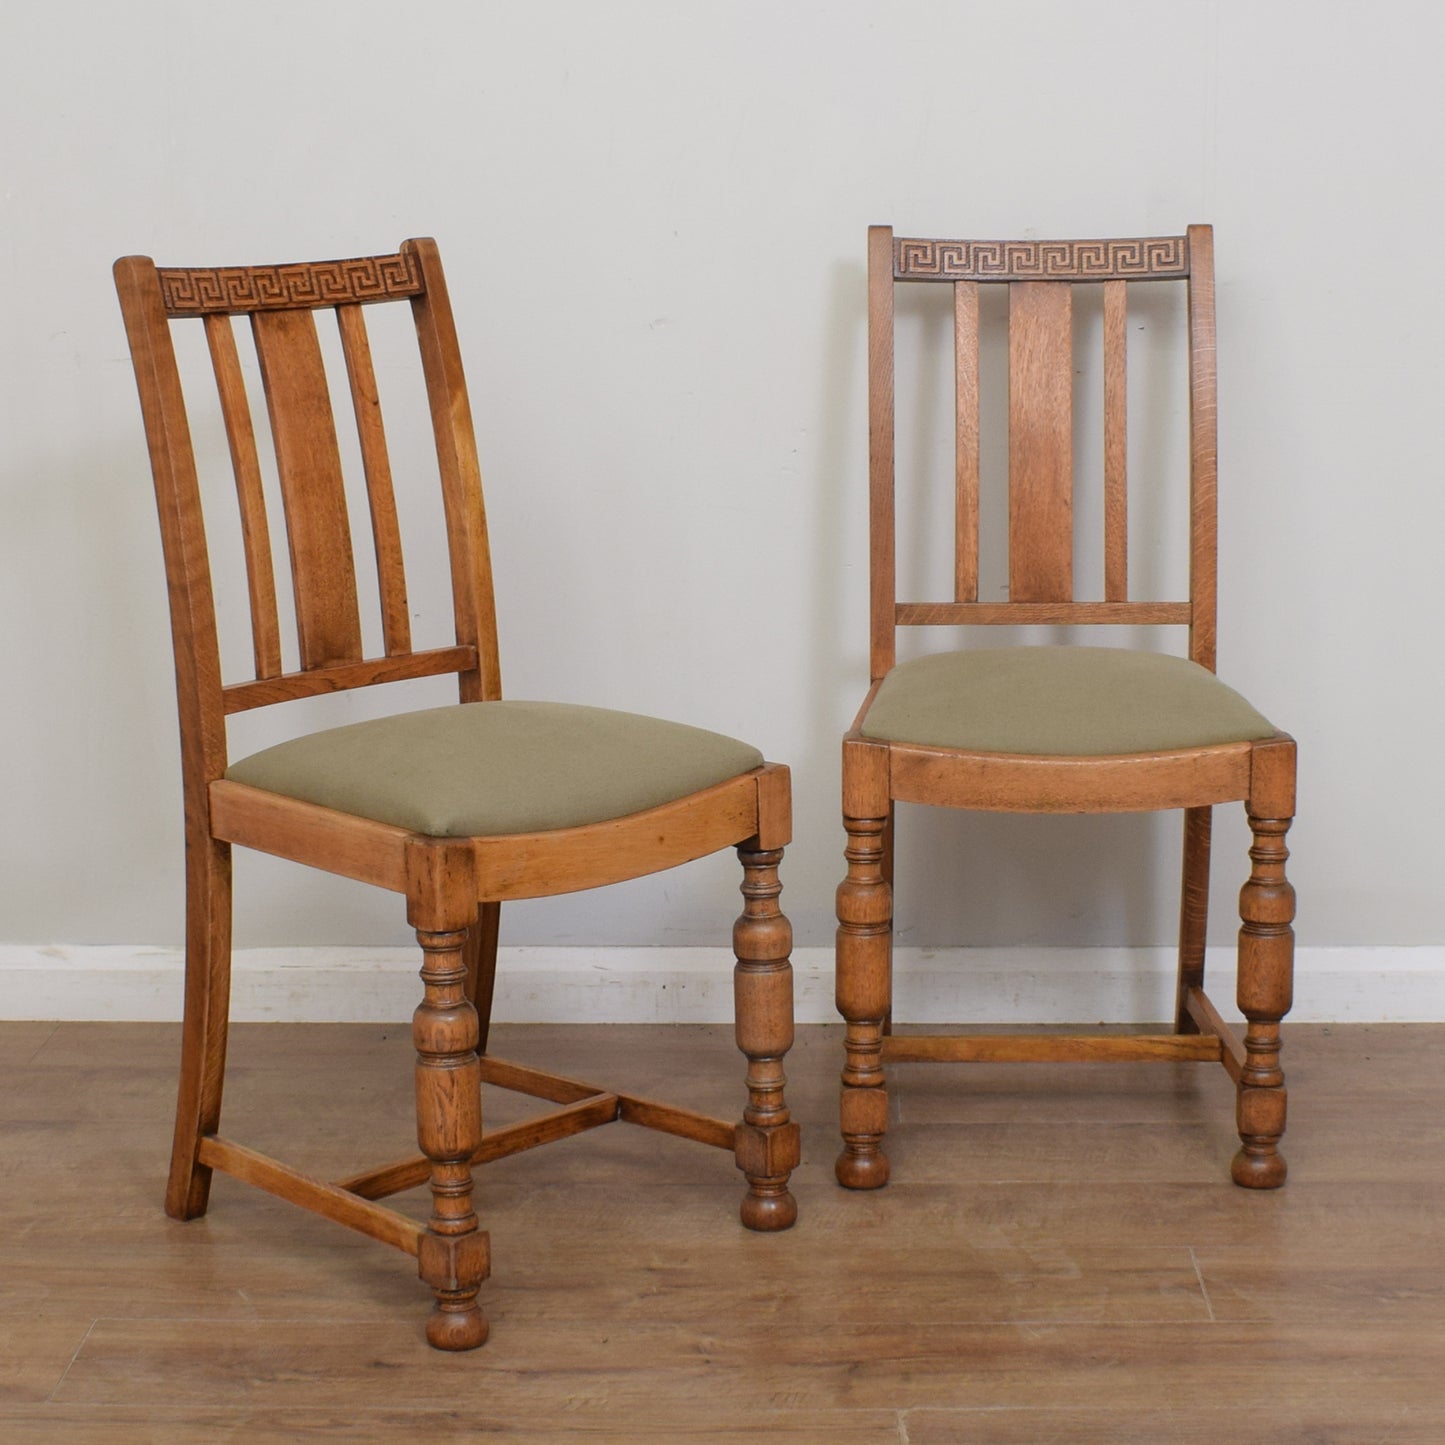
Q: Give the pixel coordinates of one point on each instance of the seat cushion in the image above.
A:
(1059, 701)
(498, 767)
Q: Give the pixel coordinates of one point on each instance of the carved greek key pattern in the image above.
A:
(1156, 256)
(262, 288)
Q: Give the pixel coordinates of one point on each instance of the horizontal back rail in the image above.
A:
(1028, 614)
(432, 662)
(1146, 258)
(196, 290)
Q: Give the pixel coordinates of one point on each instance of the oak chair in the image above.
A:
(1049, 728)
(456, 808)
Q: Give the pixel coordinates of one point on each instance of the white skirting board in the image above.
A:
(694, 985)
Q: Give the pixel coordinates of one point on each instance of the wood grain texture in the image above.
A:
(1193, 912)
(452, 886)
(882, 564)
(1088, 1301)
(376, 464)
(1048, 1048)
(563, 860)
(1037, 614)
(965, 441)
(323, 572)
(255, 533)
(315, 682)
(473, 600)
(1203, 448)
(1022, 783)
(1039, 276)
(1041, 442)
(1116, 442)
(306, 833)
(298, 1188)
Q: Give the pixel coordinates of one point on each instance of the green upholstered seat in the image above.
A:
(1059, 701)
(498, 767)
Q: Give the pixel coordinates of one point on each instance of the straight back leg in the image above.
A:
(1193, 913)
(481, 956)
(207, 1014)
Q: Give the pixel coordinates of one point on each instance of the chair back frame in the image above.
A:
(281, 303)
(1040, 276)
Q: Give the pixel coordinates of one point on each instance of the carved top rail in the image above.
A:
(197, 291)
(1149, 258)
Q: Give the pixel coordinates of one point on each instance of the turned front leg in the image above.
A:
(767, 1141)
(865, 933)
(454, 1257)
(1265, 992)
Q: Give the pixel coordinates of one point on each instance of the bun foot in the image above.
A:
(458, 1325)
(770, 1211)
(864, 1169)
(1258, 1171)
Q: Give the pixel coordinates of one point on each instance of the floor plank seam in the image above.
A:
(1203, 1288)
(42, 1045)
(70, 1363)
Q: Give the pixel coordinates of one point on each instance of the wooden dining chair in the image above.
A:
(1057, 728)
(456, 808)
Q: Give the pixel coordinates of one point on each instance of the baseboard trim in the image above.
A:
(694, 985)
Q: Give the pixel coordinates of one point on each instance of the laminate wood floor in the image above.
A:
(1060, 1258)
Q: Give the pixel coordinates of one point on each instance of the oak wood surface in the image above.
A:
(1040, 277)
(1041, 442)
(452, 887)
(1024, 783)
(318, 530)
(251, 497)
(1010, 1289)
(1116, 442)
(966, 441)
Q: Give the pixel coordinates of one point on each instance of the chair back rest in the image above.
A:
(281, 306)
(1040, 277)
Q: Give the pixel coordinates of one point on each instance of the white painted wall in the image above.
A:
(653, 215)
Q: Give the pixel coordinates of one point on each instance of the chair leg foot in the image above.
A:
(767, 1142)
(769, 1206)
(863, 1108)
(457, 1323)
(864, 983)
(862, 1165)
(455, 1265)
(1263, 1170)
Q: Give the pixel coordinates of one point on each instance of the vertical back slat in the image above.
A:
(381, 496)
(1116, 449)
(1203, 448)
(965, 376)
(255, 533)
(302, 426)
(1041, 552)
(883, 557)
